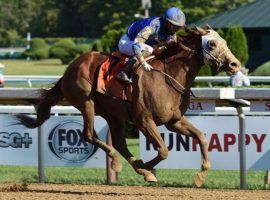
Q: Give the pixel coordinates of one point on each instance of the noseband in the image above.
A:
(207, 56)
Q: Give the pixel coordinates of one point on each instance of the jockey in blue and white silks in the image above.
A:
(146, 32)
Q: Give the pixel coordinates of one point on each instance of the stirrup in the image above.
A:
(123, 77)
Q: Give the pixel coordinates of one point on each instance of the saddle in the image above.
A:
(107, 83)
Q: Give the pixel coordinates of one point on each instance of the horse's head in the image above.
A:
(206, 43)
(216, 52)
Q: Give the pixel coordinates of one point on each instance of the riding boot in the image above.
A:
(125, 73)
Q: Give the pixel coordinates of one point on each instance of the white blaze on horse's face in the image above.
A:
(217, 53)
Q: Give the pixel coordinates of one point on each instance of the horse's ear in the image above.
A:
(208, 27)
(191, 31)
(200, 30)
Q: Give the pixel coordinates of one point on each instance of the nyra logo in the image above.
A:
(15, 140)
(67, 143)
(267, 106)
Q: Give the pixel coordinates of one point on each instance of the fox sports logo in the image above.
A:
(67, 143)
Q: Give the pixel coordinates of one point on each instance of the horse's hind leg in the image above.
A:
(117, 127)
(183, 126)
(90, 135)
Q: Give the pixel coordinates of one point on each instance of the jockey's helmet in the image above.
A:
(175, 16)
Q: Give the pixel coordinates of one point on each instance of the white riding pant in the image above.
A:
(125, 46)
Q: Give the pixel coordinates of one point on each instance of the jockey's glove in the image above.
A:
(146, 66)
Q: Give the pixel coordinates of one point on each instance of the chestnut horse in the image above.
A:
(160, 96)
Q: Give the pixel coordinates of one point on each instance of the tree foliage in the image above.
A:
(110, 39)
(8, 38)
(237, 42)
(93, 18)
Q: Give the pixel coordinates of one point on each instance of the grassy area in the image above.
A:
(172, 178)
(23, 67)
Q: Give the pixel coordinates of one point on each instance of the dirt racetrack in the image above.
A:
(76, 192)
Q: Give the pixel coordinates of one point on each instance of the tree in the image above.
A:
(8, 38)
(46, 20)
(110, 40)
(221, 33)
(93, 18)
(101, 16)
(237, 42)
(18, 14)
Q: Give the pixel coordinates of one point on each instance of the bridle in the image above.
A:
(207, 56)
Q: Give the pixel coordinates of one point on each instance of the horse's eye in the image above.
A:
(211, 44)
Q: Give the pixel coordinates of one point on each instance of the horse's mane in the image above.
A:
(182, 44)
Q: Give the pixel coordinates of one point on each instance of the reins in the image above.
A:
(183, 90)
(167, 75)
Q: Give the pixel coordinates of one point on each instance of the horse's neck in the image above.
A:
(194, 67)
(185, 70)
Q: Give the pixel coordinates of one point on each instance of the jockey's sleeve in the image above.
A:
(144, 34)
(141, 38)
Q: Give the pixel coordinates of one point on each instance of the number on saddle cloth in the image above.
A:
(115, 59)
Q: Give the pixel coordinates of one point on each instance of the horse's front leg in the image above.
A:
(183, 126)
(117, 128)
(149, 129)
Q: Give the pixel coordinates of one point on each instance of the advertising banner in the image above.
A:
(18, 145)
(200, 106)
(223, 139)
(65, 144)
(62, 143)
(260, 106)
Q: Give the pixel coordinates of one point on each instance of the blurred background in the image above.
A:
(41, 37)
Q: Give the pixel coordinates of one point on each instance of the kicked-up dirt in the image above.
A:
(96, 192)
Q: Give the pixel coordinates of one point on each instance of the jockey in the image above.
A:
(146, 32)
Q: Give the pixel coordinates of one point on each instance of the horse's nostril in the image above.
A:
(233, 64)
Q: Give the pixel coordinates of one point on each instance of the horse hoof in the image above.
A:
(206, 165)
(199, 179)
(150, 178)
(117, 166)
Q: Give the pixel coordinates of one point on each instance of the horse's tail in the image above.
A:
(48, 99)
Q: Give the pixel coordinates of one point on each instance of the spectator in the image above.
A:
(240, 78)
(2, 75)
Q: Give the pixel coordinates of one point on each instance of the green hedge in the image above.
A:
(97, 46)
(64, 49)
(80, 40)
(39, 49)
(205, 71)
(263, 70)
(83, 48)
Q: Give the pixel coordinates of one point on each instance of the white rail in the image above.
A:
(43, 80)
(225, 79)
(26, 95)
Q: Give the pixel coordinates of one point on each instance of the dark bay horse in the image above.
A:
(156, 100)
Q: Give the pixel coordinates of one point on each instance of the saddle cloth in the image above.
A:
(107, 82)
